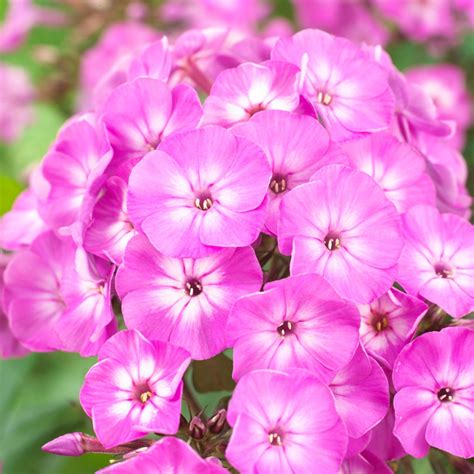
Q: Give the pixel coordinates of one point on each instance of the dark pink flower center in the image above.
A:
(324, 98)
(193, 287)
(332, 241)
(143, 393)
(445, 394)
(285, 328)
(275, 438)
(379, 322)
(252, 110)
(278, 184)
(204, 201)
(443, 270)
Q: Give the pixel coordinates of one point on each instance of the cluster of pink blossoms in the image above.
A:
(309, 214)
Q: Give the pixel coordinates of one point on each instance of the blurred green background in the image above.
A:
(39, 393)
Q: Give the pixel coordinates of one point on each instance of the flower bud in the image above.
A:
(216, 423)
(69, 444)
(197, 428)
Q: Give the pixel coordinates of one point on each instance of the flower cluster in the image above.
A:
(304, 206)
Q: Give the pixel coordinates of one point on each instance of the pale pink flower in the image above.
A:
(184, 301)
(134, 389)
(284, 423)
(388, 323)
(239, 93)
(349, 91)
(298, 322)
(387, 161)
(434, 406)
(437, 261)
(342, 227)
(201, 190)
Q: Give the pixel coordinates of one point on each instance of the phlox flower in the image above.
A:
(284, 423)
(110, 229)
(364, 463)
(134, 389)
(349, 91)
(437, 261)
(388, 323)
(434, 403)
(10, 346)
(398, 168)
(239, 93)
(295, 146)
(140, 113)
(200, 190)
(298, 322)
(361, 394)
(184, 301)
(342, 227)
(166, 456)
(73, 167)
(33, 299)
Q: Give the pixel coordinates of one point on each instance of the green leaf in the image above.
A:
(9, 190)
(213, 375)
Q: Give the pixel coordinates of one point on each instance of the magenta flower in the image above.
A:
(349, 91)
(295, 146)
(139, 114)
(134, 389)
(342, 227)
(239, 93)
(73, 168)
(33, 298)
(184, 301)
(201, 190)
(110, 229)
(284, 423)
(361, 395)
(10, 346)
(287, 326)
(88, 319)
(166, 456)
(437, 261)
(364, 463)
(386, 160)
(388, 323)
(434, 404)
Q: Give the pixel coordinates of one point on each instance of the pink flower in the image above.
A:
(239, 93)
(388, 323)
(16, 102)
(284, 423)
(437, 261)
(293, 324)
(88, 320)
(139, 114)
(33, 299)
(387, 160)
(295, 146)
(360, 392)
(10, 346)
(342, 227)
(201, 190)
(434, 404)
(134, 389)
(446, 85)
(349, 91)
(166, 456)
(73, 168)
(184, 301)
(364, 463)
(110, 229)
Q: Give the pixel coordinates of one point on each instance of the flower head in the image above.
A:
(434, 405)
(342, 227)
(184, 301)
(201, 190)
(134, 389)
